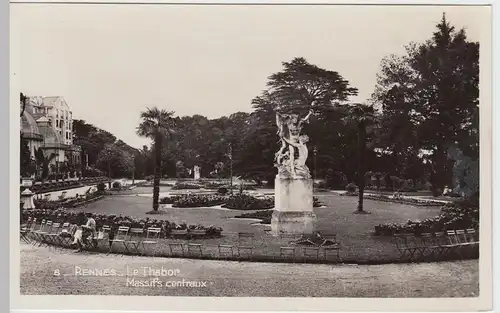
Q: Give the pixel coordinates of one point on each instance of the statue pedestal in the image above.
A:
(293, 206)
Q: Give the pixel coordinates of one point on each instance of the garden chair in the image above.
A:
(198, 233)
(134, 239)
(42, 235)
(454, 241)
(176, 247)
(195, 248)
(120, 237)
(462, 238)
(32, 229)
(103, 234)
(25, 230)
(472, 236)
(66, 236)
(176, 233)
(333, 246)
(243, 238)
(415, 247)
(444, 245)
(36, 232)
(224, 250)
(310, 251)
(430, 244)
(152, 239)
(52, 236)
(287, 252)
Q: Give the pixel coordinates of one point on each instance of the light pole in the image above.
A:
(315, 152)
(230, 154)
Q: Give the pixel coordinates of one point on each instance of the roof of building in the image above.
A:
(49, 134)
(28, 124)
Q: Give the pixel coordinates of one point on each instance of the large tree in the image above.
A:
(430, 102)
(158, 125)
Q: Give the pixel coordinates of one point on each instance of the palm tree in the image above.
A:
(44, 161)
(157, 125)
(363, 116)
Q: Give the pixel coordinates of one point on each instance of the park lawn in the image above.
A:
(354, 231)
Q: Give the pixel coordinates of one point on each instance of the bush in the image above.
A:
(184, 185)
(460, 215)
(316, 202)
(351, 187)
(101, 187)
(117, 184)
(248, 202)
(265, 216)
(196, 201)
(222, 190)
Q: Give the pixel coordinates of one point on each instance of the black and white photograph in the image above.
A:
(232, 150)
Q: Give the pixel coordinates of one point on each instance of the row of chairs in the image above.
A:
(133, 240)
(438, 245)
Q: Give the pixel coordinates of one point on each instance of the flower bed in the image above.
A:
(461, 215)
(185, 185)
(398, 199)
(62, 215)
(196, 201)
(265, 216)
(70, 202)
(248, 202)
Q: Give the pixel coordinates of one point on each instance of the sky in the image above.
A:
(110, 62)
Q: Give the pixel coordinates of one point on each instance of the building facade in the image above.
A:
(47, 123)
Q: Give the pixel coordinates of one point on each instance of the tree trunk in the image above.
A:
(361, 171)
(157, 172)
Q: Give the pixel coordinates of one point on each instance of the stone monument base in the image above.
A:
(293, 209)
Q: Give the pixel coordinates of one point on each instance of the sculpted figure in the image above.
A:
(289, 128)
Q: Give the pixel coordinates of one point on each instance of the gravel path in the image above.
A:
(224, 278)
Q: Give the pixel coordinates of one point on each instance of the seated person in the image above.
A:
(88, 230)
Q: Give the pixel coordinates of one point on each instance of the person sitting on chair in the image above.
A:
(88, 230)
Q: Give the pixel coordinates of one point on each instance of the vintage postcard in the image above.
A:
(260, 156)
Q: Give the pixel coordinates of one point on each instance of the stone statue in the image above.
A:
(289, 128)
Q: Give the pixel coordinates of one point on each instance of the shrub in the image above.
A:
(196, 201)
(460, 215)
(117, 184)
(248, 202)
(184, 185)
(351, 187)
(101, 187)
(316, 202)
(222, 190)
(264, 215)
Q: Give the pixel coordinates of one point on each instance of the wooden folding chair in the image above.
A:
(454, 242)
(25, 230)
(36, 233)
(463, 241)
(226, 250)
(430, 245)
(134, 239)
(176, 233)
(306, 251)
(176, 247)
(120, 237)
(152, 239)
(52, 236)
(331, 244)
(242, 238)
(195, 249)
(415, 247)
(42, 235)
(472, 235)
(198, 233)
(443, 244)
(66, 236)
(287, 252)
(103, 234)
(32, 229)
